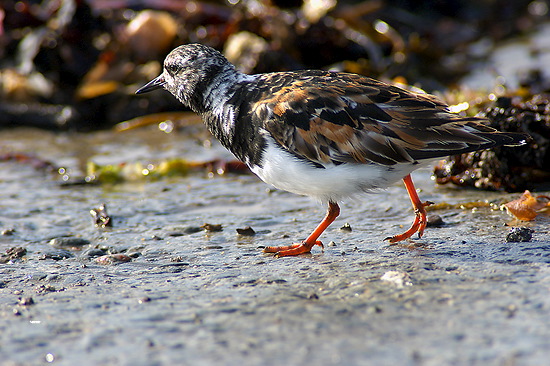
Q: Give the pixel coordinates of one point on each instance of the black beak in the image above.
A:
(156, 83)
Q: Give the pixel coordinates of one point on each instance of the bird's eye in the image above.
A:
(172, 68)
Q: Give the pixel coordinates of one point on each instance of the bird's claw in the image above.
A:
(294, 249)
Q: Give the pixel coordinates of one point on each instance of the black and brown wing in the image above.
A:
(337, 118)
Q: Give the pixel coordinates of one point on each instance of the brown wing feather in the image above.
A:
(336, 117)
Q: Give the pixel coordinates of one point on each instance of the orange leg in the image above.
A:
(419, 223)
(305, 246)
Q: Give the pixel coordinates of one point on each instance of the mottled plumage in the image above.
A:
(324, 134)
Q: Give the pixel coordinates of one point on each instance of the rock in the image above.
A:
(519, 234)
(247, 231)
(69, 243)
(435, 221)
(346, 227)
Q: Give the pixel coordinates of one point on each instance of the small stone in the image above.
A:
(16, 252)
(8, 232)
(12, 253)
(313, 296)
(346, 227)
(247, 231)
(56, 255)
(112, 259)
(519, 234)
(69, 243)
(25, 301)
(100, 218)
(511, 310)
(93, 252)
(46, 288)
(144, 299)
(435, 221)
(278, 281)
(192, 229)
(377, 309)
(211, 228)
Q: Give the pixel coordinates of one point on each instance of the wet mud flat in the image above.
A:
(160, 288)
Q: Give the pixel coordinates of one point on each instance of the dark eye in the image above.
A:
(172, 68)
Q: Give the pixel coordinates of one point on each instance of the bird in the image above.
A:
(324, 134)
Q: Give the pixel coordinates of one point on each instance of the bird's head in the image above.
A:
(188, 72)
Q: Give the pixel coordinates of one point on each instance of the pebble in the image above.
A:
(184, 231)
(25, 301)
(246, 231)
(112, 259)
(56, 255)
(13, 253)
(346, 227)
(46, 288)
(69, 242)
(93, 252)
(434, 221)
(519, 234)
(144, 299)
(100, 217)
(211, 228)
(7, 232)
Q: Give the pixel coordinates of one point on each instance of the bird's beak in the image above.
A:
(154, 84)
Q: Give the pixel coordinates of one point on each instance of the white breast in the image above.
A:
(334, 183)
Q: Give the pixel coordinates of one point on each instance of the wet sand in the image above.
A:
(461, 295)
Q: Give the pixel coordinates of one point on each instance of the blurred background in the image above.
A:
(74, 65)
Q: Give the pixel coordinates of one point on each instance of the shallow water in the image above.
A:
(461, 295)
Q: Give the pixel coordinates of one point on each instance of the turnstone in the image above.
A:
(329, 135)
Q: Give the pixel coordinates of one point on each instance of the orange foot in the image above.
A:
(294, 249)
(418, 225)
(305, 247)
(420, 221)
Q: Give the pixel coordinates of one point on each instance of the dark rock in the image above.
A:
(519, 234)
(247, 231)
(435, 221)
(68, 242)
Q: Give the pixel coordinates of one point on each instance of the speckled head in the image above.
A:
(188, 72)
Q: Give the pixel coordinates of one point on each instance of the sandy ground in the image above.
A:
(461, 295)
